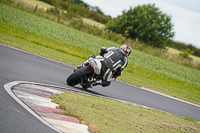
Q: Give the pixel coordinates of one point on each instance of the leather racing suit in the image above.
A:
(113, 63)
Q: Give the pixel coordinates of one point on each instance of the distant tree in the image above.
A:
(180, 45)
(185, 53)
(146, 22)
(77, 1)
(51, 2)
(96, 9)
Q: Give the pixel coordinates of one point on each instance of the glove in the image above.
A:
(101, 54)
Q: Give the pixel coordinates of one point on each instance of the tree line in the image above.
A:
(150, 25)
(146, 23)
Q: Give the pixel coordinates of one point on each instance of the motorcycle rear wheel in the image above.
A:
(75, 77)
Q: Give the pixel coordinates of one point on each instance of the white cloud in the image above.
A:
(186, 23)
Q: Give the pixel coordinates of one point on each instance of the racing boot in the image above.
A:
(96, 83)
(80, 66)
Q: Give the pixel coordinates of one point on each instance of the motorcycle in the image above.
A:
(87, 76)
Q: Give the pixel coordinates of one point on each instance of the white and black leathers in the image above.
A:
(113, 63)
(115, 60)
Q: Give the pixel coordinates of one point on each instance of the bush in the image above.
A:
(185, 53)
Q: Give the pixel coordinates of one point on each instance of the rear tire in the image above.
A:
(75, 77)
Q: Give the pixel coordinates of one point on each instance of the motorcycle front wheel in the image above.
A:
(75, 77)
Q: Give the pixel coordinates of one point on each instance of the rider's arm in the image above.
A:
(106, 50)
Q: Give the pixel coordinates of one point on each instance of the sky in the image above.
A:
(185, 15)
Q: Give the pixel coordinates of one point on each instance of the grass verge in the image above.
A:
(116, 117)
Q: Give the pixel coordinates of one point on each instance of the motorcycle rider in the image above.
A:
(113, 63)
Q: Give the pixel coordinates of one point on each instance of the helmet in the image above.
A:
(127, 49)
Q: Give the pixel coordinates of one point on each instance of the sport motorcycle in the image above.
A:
(87, 76)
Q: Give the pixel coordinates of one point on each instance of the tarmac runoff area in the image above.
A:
(36, 99)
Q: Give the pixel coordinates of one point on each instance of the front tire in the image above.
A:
(75, 77)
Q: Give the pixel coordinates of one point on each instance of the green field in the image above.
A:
(35, 34)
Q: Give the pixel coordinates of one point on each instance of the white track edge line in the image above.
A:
(27, 82)
(162, 94)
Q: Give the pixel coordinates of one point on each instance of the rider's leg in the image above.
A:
(107, 75)
(87, 61)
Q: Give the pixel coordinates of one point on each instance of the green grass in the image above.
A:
(194, 62)
(110, 116)
(50, 39)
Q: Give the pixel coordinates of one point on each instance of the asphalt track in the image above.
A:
(17, 65)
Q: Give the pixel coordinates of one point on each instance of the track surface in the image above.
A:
(16, 65)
